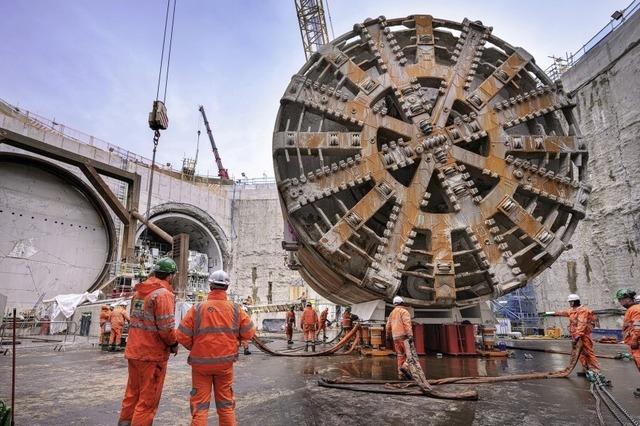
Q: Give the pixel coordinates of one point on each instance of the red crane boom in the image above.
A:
(222, 172)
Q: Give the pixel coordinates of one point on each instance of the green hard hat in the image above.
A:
(166, 265)
(625, 292)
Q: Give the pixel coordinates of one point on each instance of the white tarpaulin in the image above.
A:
(63, 306)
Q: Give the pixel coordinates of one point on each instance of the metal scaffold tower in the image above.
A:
(313, 27)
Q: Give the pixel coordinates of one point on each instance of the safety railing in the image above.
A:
(39, 331)
(562, 65)
(54, 127)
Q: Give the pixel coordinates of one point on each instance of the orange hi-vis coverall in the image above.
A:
(399, 327)
(581, 322)
(211, 331)
(346, 321)
(117, 319)
(104, 318)
(289, 325)
(151, 334)
(631, 332)
(309, 322)
(322, 322)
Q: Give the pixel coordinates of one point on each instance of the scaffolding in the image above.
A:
(520, 308)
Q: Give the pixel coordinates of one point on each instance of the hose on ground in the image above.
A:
(402, 387)
(552, 351)
(342, 343)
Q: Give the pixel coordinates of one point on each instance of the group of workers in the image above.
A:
(210, 331)
(582, 320)
(311, 325)
(112, 321)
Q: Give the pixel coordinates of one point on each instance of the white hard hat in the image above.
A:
(637, 298)
(573, 297)
(398, 300)
(219, 278)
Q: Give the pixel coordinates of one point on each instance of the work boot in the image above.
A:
(246, 351)
(306, 346)
(313, 347)
(112, 348)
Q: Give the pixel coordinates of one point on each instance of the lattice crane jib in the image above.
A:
(313, 26)
(430, 159)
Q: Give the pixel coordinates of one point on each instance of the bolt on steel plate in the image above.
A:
(427, 158)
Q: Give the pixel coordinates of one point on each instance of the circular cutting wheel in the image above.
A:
(429, 159)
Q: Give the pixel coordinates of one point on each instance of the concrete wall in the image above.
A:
(256, 216)
(258, 233)
(606, 87)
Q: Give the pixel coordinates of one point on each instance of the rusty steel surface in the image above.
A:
(429, 159)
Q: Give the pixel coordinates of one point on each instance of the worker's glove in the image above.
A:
(635, 345)
(174, 349)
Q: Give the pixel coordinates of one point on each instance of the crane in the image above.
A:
(313, 27)
(222, 172)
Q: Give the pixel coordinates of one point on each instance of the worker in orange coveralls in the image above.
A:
(152, 337)
(211, 331)
(105, 314)
(399, 327)
(581, 322)
(322, 324)
(117, 319)
(631, 325)
(347, 321)
(290, 324)
(309, 323)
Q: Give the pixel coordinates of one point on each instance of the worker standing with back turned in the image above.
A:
(631, 325)
(581, 323)
(151, 339)
(211, 330)
(399, 327)
(308, 323)
(117, 318)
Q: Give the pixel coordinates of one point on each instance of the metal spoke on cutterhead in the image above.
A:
(427, 158)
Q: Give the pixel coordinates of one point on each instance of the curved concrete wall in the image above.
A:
(55, 235)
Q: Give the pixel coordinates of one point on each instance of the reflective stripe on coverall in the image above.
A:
(309, 322)
(151, 333)
(117, 319)
(581, 322)
(631, 332)
(399, 327)
(211, 331)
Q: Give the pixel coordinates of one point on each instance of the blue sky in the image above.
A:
(93, 65)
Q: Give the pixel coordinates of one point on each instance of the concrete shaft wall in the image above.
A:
(256, 216)
(257, 239)
(606, 88)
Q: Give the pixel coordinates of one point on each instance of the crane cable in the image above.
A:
(164, 41)
(156, 133)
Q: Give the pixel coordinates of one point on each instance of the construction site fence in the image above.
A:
(38, 329)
